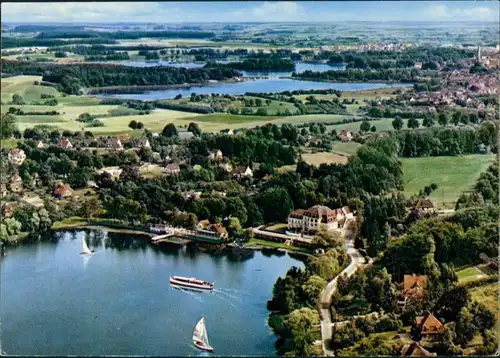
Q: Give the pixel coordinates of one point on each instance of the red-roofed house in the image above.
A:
(414, 286)
(65, 143)
(63, 191)
(214, 231)
(430, 327)
(415, 350)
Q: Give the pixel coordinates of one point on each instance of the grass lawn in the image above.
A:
(323, 157)
(9, 143)
(264, 243)
(453, 175)
(469, 274)
(348, 148)
(277, 228)
(487, 295)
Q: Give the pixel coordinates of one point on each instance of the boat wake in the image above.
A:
(191, 293)
(228, 295)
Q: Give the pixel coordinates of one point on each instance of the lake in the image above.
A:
(119, 301)
(256, 86)
(299, 67)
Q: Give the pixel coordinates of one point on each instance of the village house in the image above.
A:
(143, 143)
(215, 155)
(3, 191)
(193, 195)
(424, 205)
(243, 173)
(227, 167)
(414, 286)
(172, 169)
(430, 327)
(40, 144)
(418, 65)
(415, 350)
(345, 136)
(65, 143)
(115, 172)
(17, 156)
(16, 184)
(213, 231)
(62, 191)
(9, 208)
(115, 144)
(310, 220)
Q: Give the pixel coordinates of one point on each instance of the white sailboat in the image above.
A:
(86, 250)
(200, 337)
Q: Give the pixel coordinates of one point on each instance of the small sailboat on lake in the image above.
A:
(86, 250)
(200, 337)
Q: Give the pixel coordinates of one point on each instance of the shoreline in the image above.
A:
(173, 240)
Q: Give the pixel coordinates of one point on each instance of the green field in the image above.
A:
(453, 175)
(487, 295)
(348, 148)
(469, 274)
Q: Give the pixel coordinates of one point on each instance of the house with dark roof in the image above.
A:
(424, 205)
(415, 350)
(243, 172)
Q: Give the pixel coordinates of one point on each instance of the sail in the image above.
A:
(85, 247)
(198, 330)
(200, 333)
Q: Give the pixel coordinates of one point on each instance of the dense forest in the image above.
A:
(11, 42)
(350, 75)
(72, 79)
(120, 35)
(269, 64)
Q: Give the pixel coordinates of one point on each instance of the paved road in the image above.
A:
(326, 294)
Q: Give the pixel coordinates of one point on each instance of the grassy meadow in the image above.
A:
(453, 175)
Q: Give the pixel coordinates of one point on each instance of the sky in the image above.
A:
(253, 11)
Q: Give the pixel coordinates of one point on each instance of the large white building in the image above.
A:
(310, 220)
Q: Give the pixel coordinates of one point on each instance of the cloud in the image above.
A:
(443, 12)
(80, 12)
(278, 11)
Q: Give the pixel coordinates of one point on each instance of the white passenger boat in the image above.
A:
(191, 283)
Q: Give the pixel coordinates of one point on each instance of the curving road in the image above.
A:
(326, 294)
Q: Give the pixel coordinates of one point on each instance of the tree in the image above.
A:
(373, 129)
(194, 128)
(413, 123)
(170, 131)
(397, 123)
(326, 238)
(443, 119)
(312, 288)
(133, 124)
(428, 121)
(140, 125)
(89, 207)
(465, 328)
(7, 125)
(451, 302)
(299, 324)
(234, 228)
(364, 127)
(17, 100)
(456, 117)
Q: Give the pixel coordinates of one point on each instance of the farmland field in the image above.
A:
(453, 175)
(348, 148)
(487, 295)
(323, 158)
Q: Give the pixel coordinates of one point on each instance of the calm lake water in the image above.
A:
(299, 67)
(256, 86)
(119, 301)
